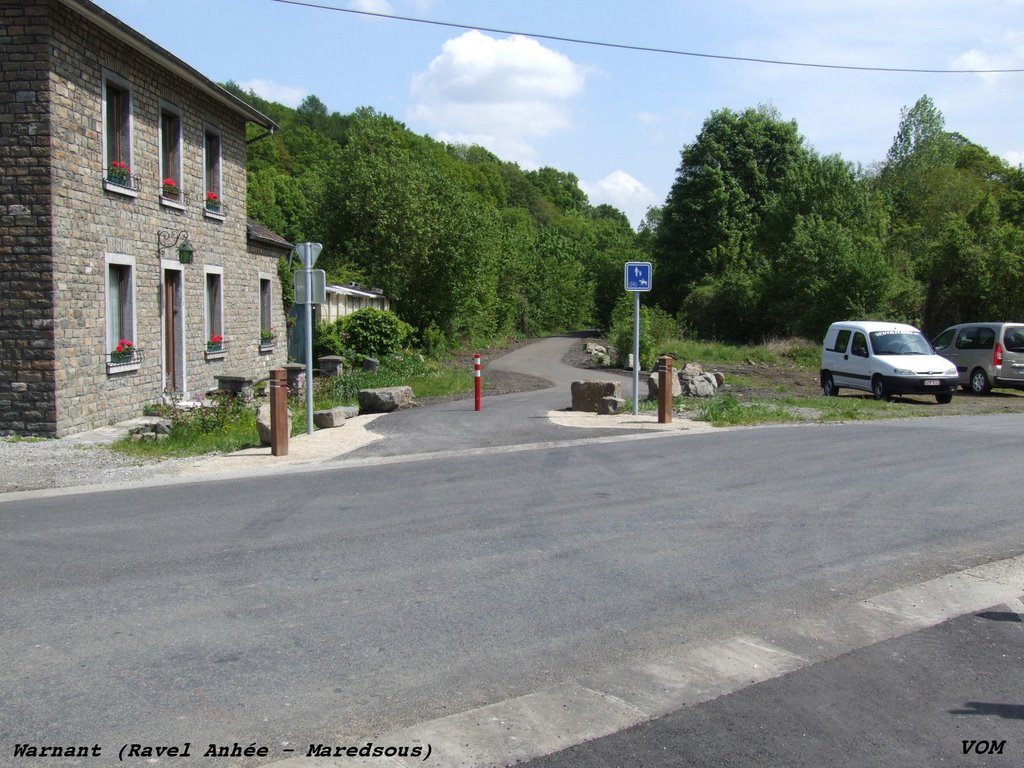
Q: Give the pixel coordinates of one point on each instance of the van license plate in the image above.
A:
(931, 382)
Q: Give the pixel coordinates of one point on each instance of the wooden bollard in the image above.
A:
(278, 412)
(665, 389)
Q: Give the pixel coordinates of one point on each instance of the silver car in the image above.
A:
(986, 355)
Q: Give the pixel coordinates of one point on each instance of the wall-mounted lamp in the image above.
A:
(185, 250)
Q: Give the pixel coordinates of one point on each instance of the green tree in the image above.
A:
(465, 244)
(724, 185)
(823, 238)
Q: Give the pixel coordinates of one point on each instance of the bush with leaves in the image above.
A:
(329, 339)
(375, 332)
(656, 327)
(365, 333)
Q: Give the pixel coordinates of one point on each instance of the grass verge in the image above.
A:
(227, 424)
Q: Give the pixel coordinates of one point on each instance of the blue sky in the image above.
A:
(616, 118)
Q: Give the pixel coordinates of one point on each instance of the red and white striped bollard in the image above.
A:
(478, 375)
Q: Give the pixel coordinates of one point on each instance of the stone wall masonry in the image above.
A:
(27, 390)
(55, 237)
(263, 259)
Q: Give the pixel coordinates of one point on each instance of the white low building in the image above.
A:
(345, 299)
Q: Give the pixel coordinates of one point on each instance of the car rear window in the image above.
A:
(1013, 339)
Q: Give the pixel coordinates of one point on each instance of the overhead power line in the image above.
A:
(649, 49)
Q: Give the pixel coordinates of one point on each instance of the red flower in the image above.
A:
(170, 183)
(212, 197)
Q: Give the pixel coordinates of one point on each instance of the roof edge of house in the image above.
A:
(256, 231)
(165, 58)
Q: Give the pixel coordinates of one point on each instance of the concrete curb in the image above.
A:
(576, 711)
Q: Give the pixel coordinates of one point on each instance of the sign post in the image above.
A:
(638, 280)
(309, 252)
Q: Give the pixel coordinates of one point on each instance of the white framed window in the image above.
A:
(267, 330)
(171, 156)
(215, 343)
(119, 170)
(212, 180)
(122, 351)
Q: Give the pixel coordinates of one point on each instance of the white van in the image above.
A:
(884, 359)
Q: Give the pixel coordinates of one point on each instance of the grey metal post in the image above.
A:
(309, 347)
(636, 353)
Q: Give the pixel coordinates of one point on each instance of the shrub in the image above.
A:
(656, 328)
(328, 339)
(365, 333)
(376, 332)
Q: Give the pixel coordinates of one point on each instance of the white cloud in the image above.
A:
(1014, 157)
(1005, 53)
(289, 95)
(623, 191)
(372, 6)
(500, 93)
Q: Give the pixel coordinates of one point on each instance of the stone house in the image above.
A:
(122, 219)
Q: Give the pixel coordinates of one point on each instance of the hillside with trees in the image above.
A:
(465, 244)
(759, 237)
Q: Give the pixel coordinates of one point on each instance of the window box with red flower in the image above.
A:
(213, 202)
(215, 347)
(119, 173)
(125, 356)
(170, 190)
(119, 178)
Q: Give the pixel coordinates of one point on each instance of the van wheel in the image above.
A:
(878, 388)
(979, 382)
(828, 385)
(944, 398)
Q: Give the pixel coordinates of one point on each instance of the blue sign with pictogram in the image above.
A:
(638, 275)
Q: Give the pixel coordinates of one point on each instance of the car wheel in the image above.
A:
(878, 388)
(979, 382)
(944, 398)
(828, 385)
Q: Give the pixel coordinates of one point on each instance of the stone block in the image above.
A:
(653, 385)
(586, 395)
(331, 365)
(610, 405)
(385, 399)
(296, 376)
(329, 418)
(704, 385)
(236, 385)
(263, 423)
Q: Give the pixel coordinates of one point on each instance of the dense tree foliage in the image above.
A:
(464, 244)
(759, 236)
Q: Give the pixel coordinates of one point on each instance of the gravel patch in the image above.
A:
(29, 465)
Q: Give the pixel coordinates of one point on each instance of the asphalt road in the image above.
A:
(949, 695)
(506, 420)
(336, 606)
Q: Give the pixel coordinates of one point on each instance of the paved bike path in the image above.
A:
(504, 420)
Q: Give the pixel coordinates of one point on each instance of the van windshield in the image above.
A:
(899, 343)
